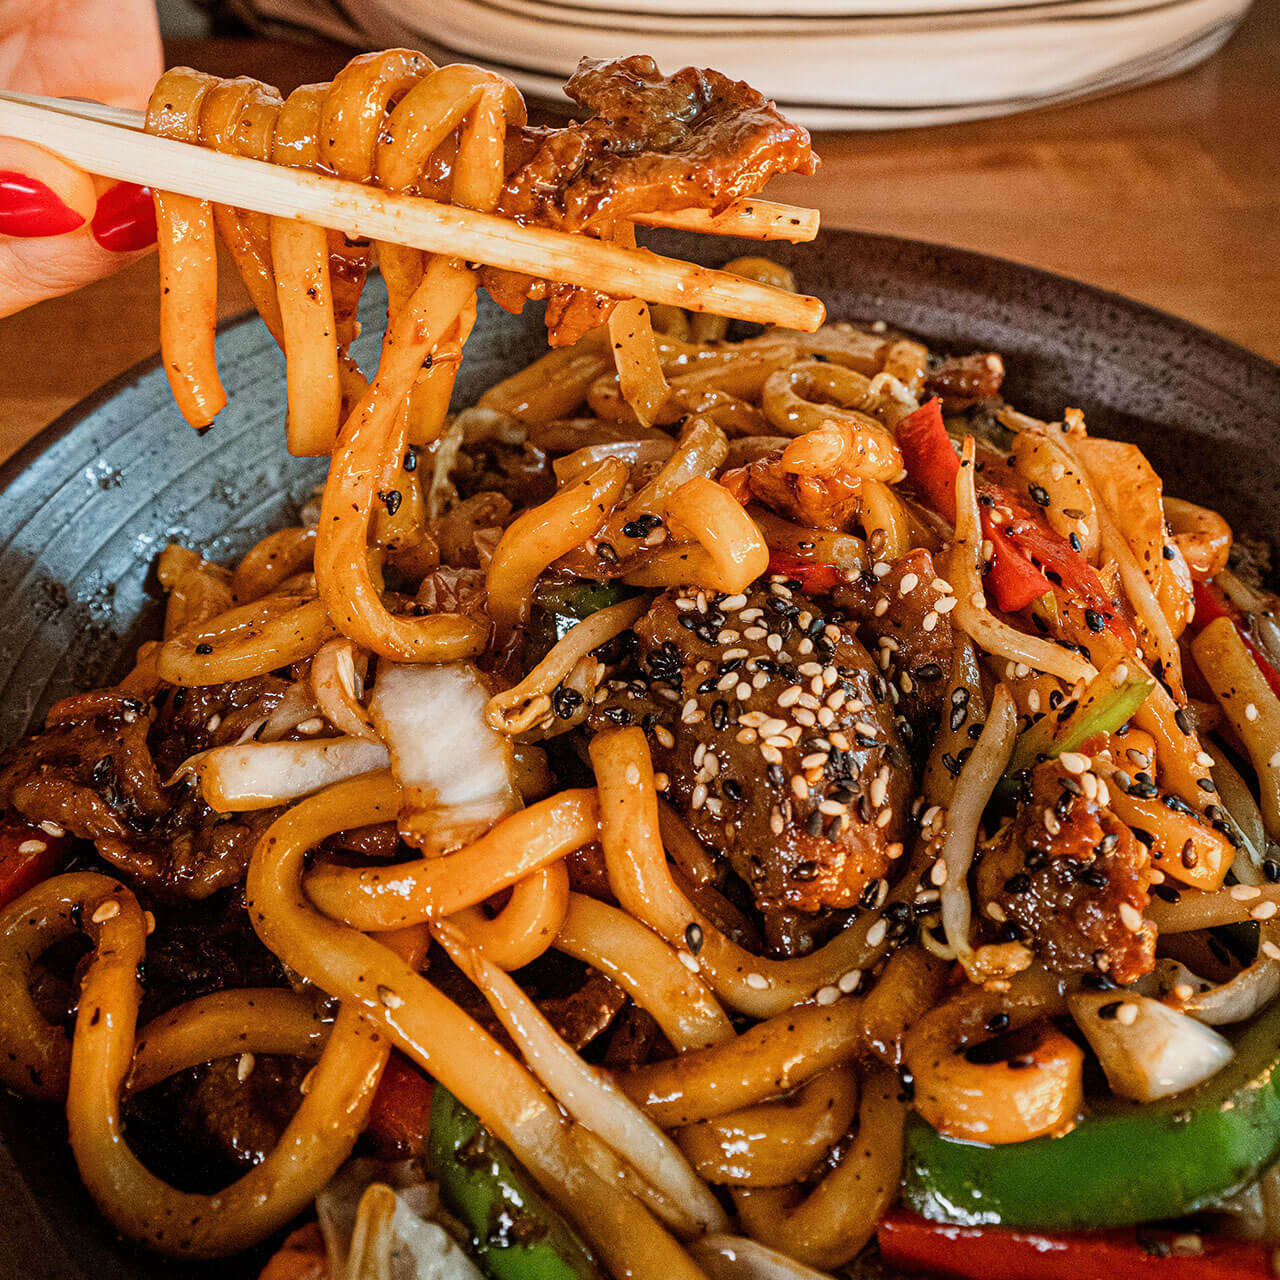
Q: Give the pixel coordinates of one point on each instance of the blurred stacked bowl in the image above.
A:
(840, 64)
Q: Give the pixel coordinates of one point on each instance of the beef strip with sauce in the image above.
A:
(1070, 880)
(776, 736)
(652, 143)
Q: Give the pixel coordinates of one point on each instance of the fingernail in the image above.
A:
(125, 219)
(29, 208)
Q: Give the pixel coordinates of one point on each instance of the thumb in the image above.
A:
(57, 232)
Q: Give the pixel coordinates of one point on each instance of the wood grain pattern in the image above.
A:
(1170, 194)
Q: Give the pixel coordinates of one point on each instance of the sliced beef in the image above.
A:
(1071, 881)
(903, 614)
(776, 736)
(100, 770)
(963, 381)
(651, 143)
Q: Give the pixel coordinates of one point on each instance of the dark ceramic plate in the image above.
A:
(87, 506)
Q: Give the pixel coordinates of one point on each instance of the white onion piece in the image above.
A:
(1159, 1053)
(1249, 992)
(973, 790)
(589, 1095)
(457, 773)
(1242, 809)
(377, 1225)
(297, 706)
(338, 688)
(257, 775)
(725, 1257)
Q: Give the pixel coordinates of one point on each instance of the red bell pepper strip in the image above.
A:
(1024, 546)
(813, 578)
(932, 464)
(1211, 603)
(28, 854)
(915, 1244)
(400, 1117)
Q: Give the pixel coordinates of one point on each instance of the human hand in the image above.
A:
(61, 228)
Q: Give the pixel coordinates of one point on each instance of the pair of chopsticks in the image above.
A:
(110, 141)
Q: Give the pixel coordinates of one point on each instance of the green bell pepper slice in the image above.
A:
(1125, 1163)
(560, 606)
(515, 1233)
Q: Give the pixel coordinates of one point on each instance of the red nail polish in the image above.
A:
(125, 218)
(29, 208)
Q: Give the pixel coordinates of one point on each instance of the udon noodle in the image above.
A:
(720, 756)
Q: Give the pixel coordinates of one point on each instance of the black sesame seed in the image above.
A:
(1039, 495)
(410, 460)
(203, 648)
(564, 702)
(1179, 805)
(391, 499)
(1094, 878)
(1205, 784)
(1166, 892)
(1109, 1010)
(1107, 843)
(870, 891)
(1143, 836)
(777, 775)
(1076, 545)
(997, 1022)
(1271, 869)
(606, 552)
(813, 824)
(1094, 620)
(805, 871)
(929, 671)
(732, 789)
(693, 937)
(1167, 551)
(719, 713)
(1182, 720)
(1018, 883)
(618, 715)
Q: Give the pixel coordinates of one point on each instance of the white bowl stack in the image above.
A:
(839, 64)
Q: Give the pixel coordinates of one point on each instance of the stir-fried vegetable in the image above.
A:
(983, 1253)
(1193, 1148)
(28, 854)
(1213, 603)
(814, 579)
(1106, 705)
(559, 606)
(514, 1232)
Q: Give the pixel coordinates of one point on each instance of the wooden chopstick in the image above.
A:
(131, 156)
(750, 219)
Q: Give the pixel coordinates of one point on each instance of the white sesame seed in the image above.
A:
(945, 605)
(804, 716)
(1274, 762)
(33, 846)
(849, 981)
(773, 642)
(730, 654)
(909, 583)
(699, 796)
(215, 720)
(996, 912)
(832, 808)
(814, 761)
(750, 615)
(759, 680)
(755, 633)
(881, 608)
(105, 911)
(827, 995)
(1051, 824)
(664, 736)
(775, 822)
(1183, 991)
(661, 782)
(938, 873)
(728, 636)
(389, 999)
(52, 829)
(826, 717)
(771, 754)
(1127, 1015)
(632, 775)
(1073, 761)
(875, 935)
(1270, 950)
(880, 568)
(742, 692)
(884, 817)
(1089, 785)
(745, 735)
(1203, 759)
(1033, 699)
(1120, 675)
(1130, 917)
(1245, 892)
(1263, 911)
(799, 788)
(930, 620)
(789, 696)
(1250, 711)
(731, 604)
(684, 604)
(978, 600)
(779, 740)
(244, 1067)
(757, 982)
(149, 922)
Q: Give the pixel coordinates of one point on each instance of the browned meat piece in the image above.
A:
(775, 733)
(904, 616)
(963, 381)
(99, 770)
(652, 142)
(831, 501)
(1071, 881)
(582, 1015)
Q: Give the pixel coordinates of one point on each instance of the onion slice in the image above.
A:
(338, 687)
(457, 773)
(257, 775)
(1151, 1053)
(725, 1257)
(587, 1094)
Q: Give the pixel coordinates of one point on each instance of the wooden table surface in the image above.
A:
(1170, 194)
